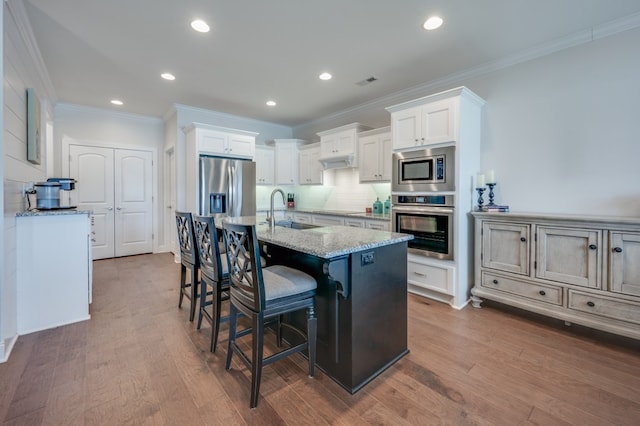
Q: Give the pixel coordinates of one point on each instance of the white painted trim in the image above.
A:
(6, 347)
(221, 115)
(17, 10)
(117, 114)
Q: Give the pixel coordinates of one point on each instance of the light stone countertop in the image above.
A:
(52, 212)
(324, 241)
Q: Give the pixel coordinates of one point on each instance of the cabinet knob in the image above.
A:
(523, 239)
(591, 304)
(618, 249)
(542, 292)
(593, 246)
(495, 282)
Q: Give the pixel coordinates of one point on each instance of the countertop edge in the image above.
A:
(60, 212)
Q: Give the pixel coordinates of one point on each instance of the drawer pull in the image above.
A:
(420, 274)
(542, 292)
(593, 246)
(591, 304)
(495, 281)
(618, 249)
(523, 239)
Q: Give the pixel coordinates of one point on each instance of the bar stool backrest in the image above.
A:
(207, 238)
(186, 238)
(245, 269)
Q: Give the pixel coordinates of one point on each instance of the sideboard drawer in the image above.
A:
(539, 292)
(604, 306)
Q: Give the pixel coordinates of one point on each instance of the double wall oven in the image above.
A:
(423, 200)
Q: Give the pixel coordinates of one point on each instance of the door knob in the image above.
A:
(109, 208)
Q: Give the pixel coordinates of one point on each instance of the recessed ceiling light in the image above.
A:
(168, 76)
(117, 102)
(432, 23)
(325, 76)
(271, 103)
(200, 26)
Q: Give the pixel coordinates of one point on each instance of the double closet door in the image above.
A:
(116, 185)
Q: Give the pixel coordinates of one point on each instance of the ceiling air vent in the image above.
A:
(366, 81)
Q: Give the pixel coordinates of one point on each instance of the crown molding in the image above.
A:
(18, 12)
(180, 108)
(83, 109)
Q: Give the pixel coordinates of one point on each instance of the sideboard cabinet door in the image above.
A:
(570, 255)
(505, 247)
(625, 269)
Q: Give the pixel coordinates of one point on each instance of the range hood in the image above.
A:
(338, 162)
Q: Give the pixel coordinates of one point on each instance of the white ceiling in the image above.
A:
(97, 50)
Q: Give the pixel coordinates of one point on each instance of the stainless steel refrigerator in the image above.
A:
(227, 187)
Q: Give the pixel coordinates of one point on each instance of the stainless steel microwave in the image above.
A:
(424, 170)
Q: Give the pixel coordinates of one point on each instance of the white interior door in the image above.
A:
(92, 167)
(133, 202)
(116, 185)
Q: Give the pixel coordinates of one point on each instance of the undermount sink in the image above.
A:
(295, 225)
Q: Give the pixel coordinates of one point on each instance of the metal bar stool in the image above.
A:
(214, 274)
(188, 260)
(262, 294)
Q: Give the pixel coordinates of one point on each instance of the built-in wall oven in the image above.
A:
(429, 218)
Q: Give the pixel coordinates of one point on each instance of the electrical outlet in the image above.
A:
(367, 259)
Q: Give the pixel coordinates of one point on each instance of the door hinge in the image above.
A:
(535, 264)
(153, 237)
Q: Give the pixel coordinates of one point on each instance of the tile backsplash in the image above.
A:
(341, 191)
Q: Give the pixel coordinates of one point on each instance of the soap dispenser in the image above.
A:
(387, 205)
(377, 206)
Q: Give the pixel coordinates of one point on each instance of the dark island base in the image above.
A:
(361, 306)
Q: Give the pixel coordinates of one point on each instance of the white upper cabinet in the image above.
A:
(265, 165)
(427, 124)
(214, 140)
(287, 161)
(374, 152)
(338, 147)
(311, 169)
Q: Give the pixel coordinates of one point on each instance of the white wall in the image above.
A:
(560, 131)
(21, 69)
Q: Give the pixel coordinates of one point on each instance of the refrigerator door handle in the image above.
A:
(230, 190)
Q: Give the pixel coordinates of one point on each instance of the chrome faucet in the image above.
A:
(271, 219)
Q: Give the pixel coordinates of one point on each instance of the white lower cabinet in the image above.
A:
(302, 217)
(379, 225)
(54, 270)
(578, 269)
(326, 220)
(426, 274)
(354, 222)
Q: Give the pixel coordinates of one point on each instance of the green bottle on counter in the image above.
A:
(377, 206)
(387, 205)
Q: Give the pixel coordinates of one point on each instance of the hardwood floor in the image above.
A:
(140, 361)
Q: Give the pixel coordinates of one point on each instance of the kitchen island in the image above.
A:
(361, 299)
